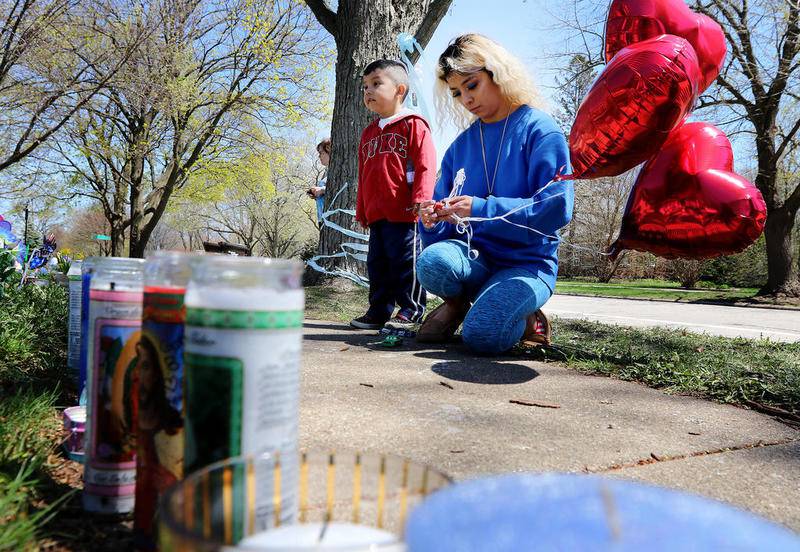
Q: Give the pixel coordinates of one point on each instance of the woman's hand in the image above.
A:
(461, 206)
(426, 213)
(432, 212)
(315, 191)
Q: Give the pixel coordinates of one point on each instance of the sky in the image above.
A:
(525, 27)
(529, 29)
(533, 31)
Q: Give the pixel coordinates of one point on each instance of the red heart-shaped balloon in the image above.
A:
(632, 21)
(644, 93)
(687, 201)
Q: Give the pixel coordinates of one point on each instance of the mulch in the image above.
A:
(72, 529)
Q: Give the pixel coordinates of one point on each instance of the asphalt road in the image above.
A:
(728, 321)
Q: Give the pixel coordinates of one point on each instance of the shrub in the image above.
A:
(8, 275)
(33, 335)
(745, 269)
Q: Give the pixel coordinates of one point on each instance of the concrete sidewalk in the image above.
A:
(726, 320)
(452, 410)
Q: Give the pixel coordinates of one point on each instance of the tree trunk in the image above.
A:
(116, 240)
(608, 268)
(364, 31)
(116, 220)
(351, 117)
(782, 271)
(136, 164)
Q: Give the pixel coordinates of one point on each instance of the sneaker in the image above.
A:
(537, 331)
(367, 322)
(401, 322)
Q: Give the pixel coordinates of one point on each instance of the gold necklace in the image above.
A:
(490, 186)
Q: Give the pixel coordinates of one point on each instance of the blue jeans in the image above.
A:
(503, 298)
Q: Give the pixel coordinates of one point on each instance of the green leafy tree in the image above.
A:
(50, 52)
(258, 201)
(188, 98)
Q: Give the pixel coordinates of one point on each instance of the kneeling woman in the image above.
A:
(509, 152)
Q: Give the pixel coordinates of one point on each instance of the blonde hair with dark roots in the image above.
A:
(472, 53)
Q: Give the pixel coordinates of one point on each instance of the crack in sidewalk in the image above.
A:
(656, 458)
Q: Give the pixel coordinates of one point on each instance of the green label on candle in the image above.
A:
(244, 320)
(213, 409)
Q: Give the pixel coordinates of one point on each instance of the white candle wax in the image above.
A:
(337, 535)
(247, 299)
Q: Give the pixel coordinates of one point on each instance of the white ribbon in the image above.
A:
(407, 44)
(353, 250)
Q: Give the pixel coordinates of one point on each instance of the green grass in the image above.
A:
(736, 371)
(33, 374)
(340, 305)
(653, 289)
(29, 432)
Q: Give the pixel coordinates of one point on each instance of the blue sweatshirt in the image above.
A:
(533, 151)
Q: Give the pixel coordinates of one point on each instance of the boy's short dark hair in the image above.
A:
(396, 70)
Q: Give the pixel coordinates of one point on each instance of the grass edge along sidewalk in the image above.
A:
(657, 290)
(759, 374)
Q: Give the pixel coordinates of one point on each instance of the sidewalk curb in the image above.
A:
(691, 302)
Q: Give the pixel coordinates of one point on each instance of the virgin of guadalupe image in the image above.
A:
(160, 431)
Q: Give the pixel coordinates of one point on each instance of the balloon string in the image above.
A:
(464, 226)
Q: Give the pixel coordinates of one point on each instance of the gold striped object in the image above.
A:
(225, 502)
(276, 498)
(404, 494)
(303, 487)
(188, 506)
(206, 505)
(357, 488)
(330, 487)
(251, 497)
(381, 492)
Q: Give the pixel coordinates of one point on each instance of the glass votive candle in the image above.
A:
(343, 501)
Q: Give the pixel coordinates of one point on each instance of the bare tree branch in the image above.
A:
(325, 16)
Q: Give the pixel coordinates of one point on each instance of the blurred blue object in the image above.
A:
(41, 255)
(582, 512)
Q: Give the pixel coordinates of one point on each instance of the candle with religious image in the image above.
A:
(115, 319)
(87, 268)
(74, 333)
(159, 431)
(244, 320)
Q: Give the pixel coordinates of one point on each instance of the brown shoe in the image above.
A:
(443, 321)
(537, 331)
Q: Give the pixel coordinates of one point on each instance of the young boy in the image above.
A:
(396, 172)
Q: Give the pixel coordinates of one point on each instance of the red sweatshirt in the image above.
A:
(396, 169)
